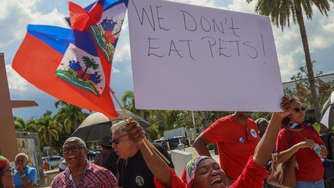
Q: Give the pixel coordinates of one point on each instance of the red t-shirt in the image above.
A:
(310, 167)
(235, 143)
(251, 176)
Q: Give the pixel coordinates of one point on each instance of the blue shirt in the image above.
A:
(31, 174)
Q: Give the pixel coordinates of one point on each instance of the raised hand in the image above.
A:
(135, 131)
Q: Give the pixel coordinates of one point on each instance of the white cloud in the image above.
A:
(115, 70)
(324, 37)
(15, 82)
(242, 6)
(122, 52)
(15, 15)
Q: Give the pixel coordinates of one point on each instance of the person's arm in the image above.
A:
(265, 147)
(218, 131)
(288, 153)
(25, 181)
(318, 140)
(201, 144)
(156, 165)
(323, 151)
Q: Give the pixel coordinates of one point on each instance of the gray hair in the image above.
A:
(23, 155)
(77, 140)
(119, 126)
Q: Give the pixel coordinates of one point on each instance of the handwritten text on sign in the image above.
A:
(187, 57)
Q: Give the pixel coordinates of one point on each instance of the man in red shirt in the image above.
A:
(236, 136)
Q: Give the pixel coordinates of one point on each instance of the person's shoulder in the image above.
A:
(103, 173)
(224, 120)
(15, 172)
(98, 169)
(309, 127)
(95, 167)
(31, 169)
(58, 179)
(251, 121)
(283, 132)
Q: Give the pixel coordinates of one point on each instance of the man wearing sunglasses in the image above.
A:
(132, 169)
(80, 172)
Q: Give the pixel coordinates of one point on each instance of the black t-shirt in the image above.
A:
(134, 172)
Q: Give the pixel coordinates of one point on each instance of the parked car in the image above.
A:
(174, 142)
(164, 143)
(53, 161)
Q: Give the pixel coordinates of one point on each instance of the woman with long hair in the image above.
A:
(6, 175)
(298, 139)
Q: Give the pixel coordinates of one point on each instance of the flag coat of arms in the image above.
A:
(74, 65)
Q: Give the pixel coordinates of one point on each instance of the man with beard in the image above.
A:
(236, 136)
(80, 172)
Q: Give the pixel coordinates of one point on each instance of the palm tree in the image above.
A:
(69, 115)
(281, 11)
(29, 126)
(128, 100)
(90, 63)
(48, 129)
(19, 123)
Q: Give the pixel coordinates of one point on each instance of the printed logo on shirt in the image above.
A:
(140, 181)
(253, 133)
(241, 140)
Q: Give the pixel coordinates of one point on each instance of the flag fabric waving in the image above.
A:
(74, 65)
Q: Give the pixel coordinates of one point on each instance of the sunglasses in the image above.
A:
(72, 149)
(302, 109)
(116, 140)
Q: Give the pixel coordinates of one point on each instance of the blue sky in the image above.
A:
(15, 15)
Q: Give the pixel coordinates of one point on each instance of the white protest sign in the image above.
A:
(187, 57)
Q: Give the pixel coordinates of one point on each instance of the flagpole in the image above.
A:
(146, 142)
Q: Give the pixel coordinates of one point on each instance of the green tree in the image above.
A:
(302, 90)
(48, 129)
(69, 116)
(128, 100)
(90, 63)
(281, 11)
(21, 125)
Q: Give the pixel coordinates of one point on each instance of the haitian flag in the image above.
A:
(74, 65)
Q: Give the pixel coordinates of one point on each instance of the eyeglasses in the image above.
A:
(116, 140)
(302, 109)
(71, 148)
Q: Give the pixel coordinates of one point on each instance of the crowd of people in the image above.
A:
(244, 147)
